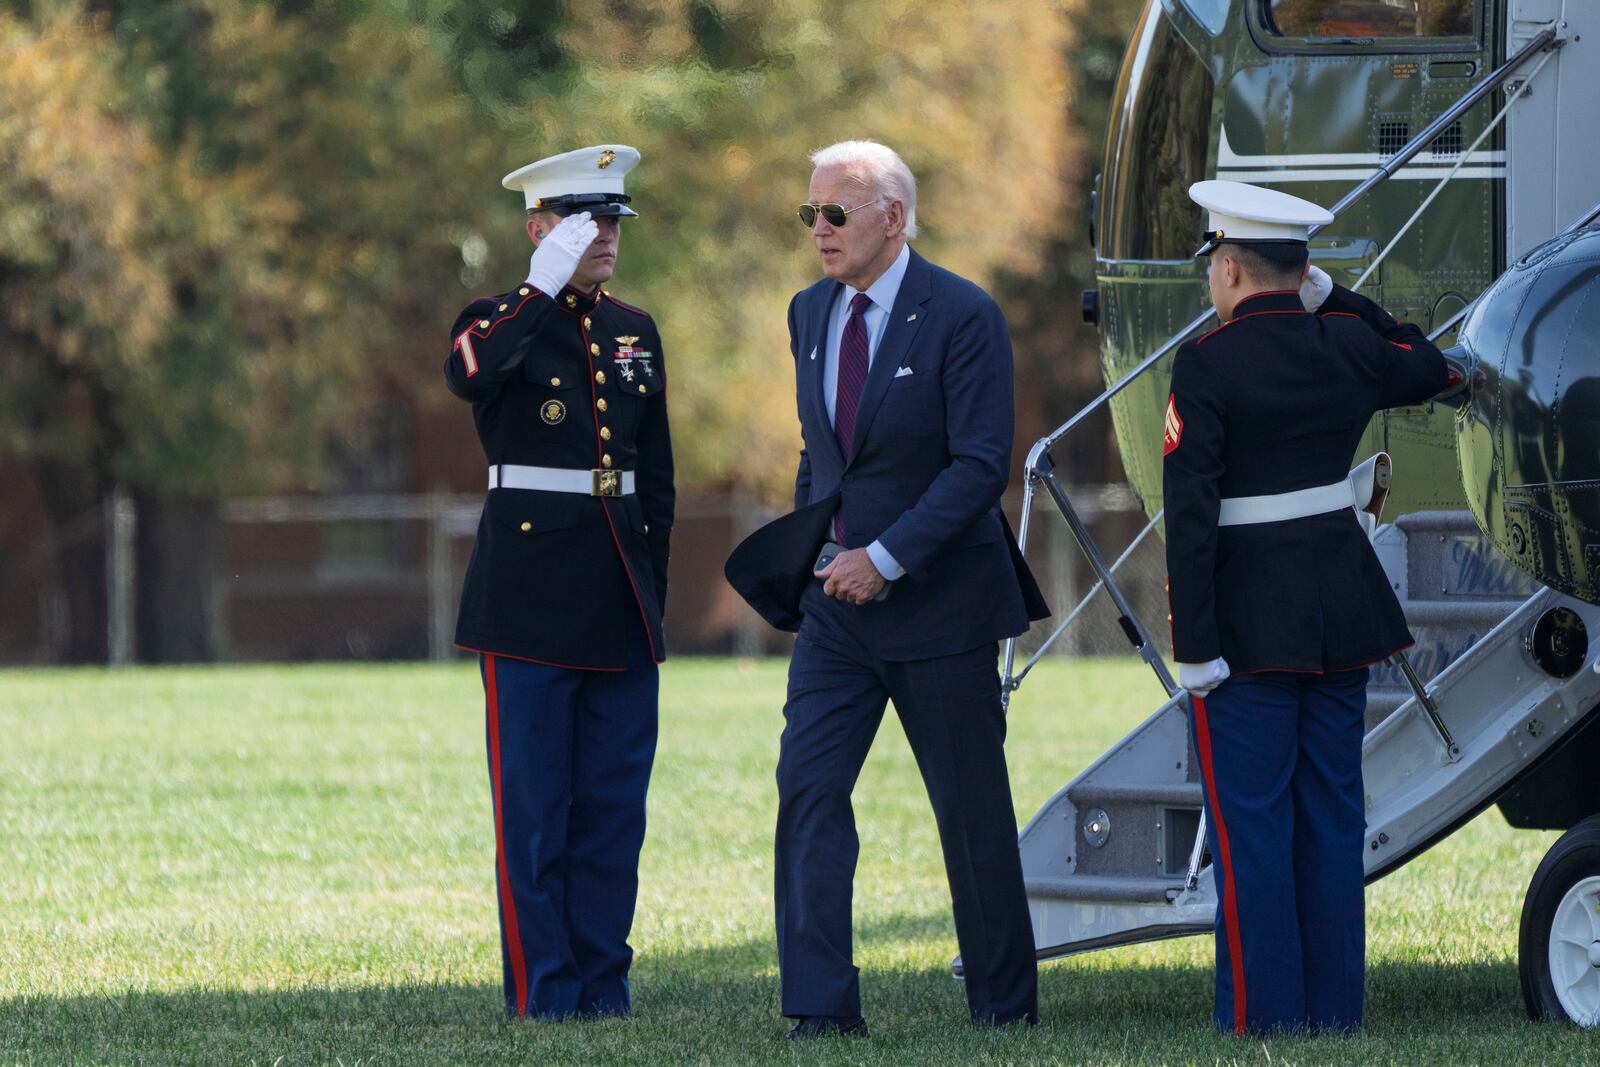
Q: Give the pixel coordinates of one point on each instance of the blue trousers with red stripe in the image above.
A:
(1280, 759)
(570, 753)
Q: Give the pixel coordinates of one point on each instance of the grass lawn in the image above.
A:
(294, 865)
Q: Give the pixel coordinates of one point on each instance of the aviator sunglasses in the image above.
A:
(835, 214)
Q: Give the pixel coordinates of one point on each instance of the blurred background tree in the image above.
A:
(235, 232)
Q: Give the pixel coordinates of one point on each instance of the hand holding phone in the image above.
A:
(829, 555)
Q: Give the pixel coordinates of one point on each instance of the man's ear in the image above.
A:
(535, 231)
(895, 216)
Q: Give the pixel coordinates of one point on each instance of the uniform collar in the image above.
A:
(577, 302)
(1277, 300)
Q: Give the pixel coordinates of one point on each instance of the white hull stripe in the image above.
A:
(1355, 174)
(1298, 167)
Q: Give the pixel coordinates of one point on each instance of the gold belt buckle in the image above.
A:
(606, 483)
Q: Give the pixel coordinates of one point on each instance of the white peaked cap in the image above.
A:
(1245, 213)
(585, 172)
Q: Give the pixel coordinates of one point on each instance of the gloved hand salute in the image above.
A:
(556, 258)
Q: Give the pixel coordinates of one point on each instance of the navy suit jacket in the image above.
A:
(930, 458)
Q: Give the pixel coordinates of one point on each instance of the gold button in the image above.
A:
(586, 322)
(605, 461)
(572, 301)
(601, 403)
(600, 376)
(484, 323)
(523, 291)
(555, 381)
(527, 526)
(641, 388)
(594, 350)
(503, 306)
(605, 433)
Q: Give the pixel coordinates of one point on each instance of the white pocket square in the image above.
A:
(903, 372)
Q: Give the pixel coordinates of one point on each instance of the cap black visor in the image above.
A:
(598, 205)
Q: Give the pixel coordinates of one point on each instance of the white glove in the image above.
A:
(1201, 678)
(1315, 289)
(552, 263)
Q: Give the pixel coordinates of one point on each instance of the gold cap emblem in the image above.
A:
(607, 158)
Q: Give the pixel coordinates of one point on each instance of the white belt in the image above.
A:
(1276, 507)
(595, 482)
(1367, 485)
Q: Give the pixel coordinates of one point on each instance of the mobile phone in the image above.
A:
(830, 552)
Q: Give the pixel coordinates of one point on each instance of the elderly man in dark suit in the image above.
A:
(903, 377)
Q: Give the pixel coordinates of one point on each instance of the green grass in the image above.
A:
(294, 865)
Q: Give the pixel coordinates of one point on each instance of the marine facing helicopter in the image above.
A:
(1455, 143)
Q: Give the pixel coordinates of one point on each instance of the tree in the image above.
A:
(234, 223)
(725, 101)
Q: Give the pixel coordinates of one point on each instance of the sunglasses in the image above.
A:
(834, 214)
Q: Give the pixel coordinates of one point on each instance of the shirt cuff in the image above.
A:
(884, 562)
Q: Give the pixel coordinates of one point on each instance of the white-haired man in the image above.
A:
(904, 389)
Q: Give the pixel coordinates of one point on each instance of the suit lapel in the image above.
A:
(904, 322)
(816, 340)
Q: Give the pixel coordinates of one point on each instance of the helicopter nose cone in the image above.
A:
(1529, 435)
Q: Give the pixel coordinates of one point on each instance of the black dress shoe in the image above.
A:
(810, 1026)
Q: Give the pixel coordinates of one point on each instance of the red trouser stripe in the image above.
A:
(1230, 893)
(508, 907)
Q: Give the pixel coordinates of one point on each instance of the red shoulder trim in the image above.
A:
(477, 330)
(1224, 326)
(624, 307)
(1249, 315)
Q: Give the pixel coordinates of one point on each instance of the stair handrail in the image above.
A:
(1040, 468)
(1499, 76)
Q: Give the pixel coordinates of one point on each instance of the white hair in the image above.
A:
(888, 173)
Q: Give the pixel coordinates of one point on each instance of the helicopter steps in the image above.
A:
(1106, 859)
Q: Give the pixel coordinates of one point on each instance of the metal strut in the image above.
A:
(1126, 617)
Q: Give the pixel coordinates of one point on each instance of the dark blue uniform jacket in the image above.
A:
(575, 382)
(1275, 400)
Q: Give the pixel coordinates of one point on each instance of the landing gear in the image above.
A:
(1559, 948)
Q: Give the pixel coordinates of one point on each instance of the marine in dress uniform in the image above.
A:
(564, 593)
(1279, 604)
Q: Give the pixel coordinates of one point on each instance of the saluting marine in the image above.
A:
(1279, 604)
(564, 594)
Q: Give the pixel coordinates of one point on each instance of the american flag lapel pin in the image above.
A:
(911, 317)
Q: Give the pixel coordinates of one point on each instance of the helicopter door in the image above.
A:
(1553, 153)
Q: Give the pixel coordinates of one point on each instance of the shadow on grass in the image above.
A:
(720, 1005)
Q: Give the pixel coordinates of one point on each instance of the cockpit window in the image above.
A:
(1371, 18)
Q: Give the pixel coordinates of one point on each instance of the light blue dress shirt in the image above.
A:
(876, 319)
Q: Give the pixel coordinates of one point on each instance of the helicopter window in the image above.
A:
(1160, 147)
(1372, 18)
